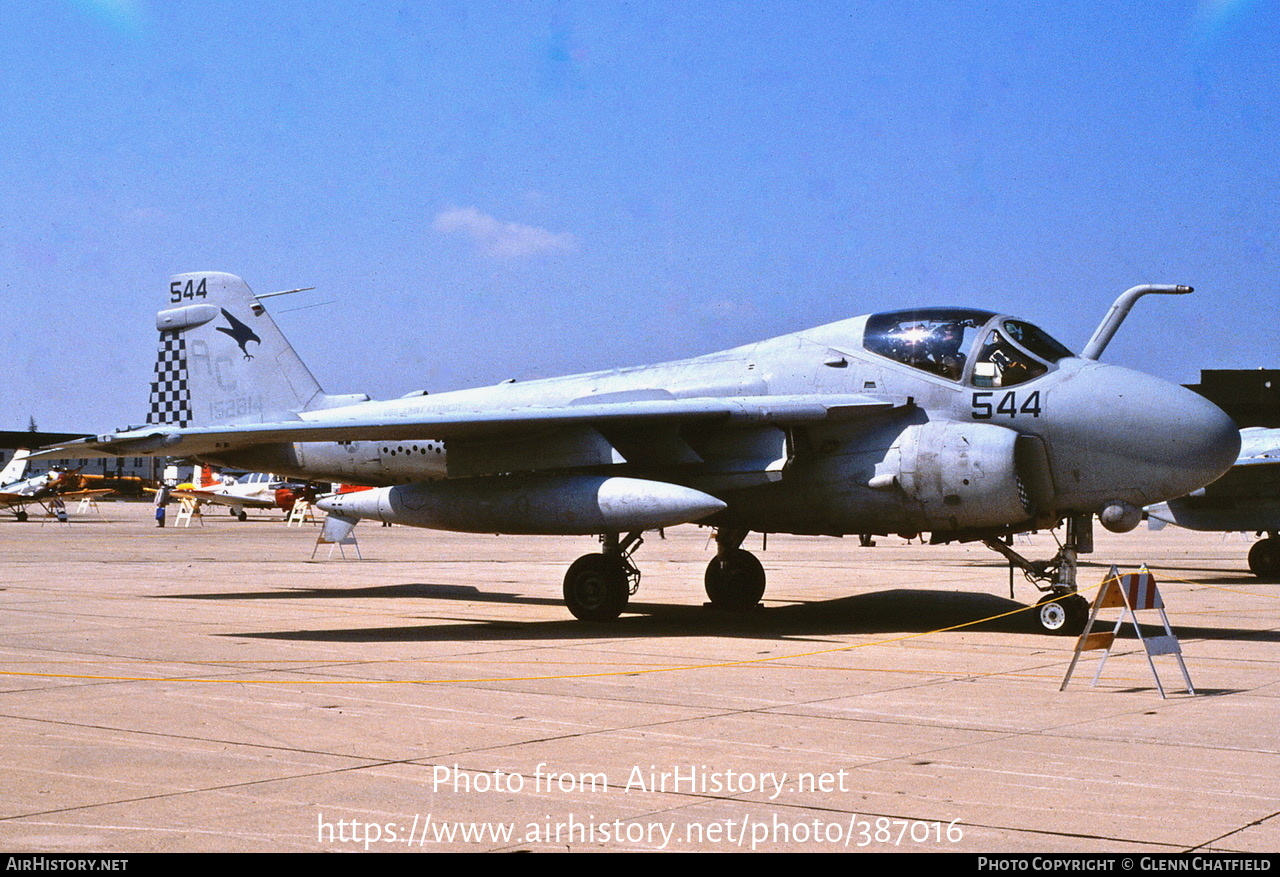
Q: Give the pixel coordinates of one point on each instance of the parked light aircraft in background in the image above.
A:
(254, 490)
(15, 468)
(1247, 498)
(17, 492)
(963, 423)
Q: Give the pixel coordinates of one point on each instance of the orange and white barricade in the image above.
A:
(1131, 593)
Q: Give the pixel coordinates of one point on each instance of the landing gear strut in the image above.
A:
(598, 586)
(734, 578)
(1264, 556)
(1060, 610)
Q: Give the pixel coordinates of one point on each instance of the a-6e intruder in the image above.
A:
(960, 423)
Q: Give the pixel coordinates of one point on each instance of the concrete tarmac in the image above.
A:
(215, 689)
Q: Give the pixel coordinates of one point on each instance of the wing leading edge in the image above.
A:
(419, 422)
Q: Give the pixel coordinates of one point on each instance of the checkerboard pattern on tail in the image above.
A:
(170, 395)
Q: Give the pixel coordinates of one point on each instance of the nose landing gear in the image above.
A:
(1062, 613)
(1060, 610)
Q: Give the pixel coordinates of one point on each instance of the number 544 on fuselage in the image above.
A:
(962, 423)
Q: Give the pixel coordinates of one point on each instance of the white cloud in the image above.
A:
(501, 239)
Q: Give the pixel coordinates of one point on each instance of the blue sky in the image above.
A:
(524, 189)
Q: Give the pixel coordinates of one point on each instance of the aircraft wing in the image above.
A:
(422, 422)
(1259, 447)
(227, 499)
(9, 500)
(81, 494)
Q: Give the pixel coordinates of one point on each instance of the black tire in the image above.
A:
(1063, 615)
(735, 580)
(1264, 557)
(21, 514)
(241, 515)
(596, 587)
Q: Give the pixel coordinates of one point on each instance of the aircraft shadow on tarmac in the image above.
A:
(897, 611)
(424, 591)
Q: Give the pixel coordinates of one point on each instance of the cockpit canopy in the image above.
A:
(986, 349)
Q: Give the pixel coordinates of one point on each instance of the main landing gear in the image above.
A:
(1264, 556)
(734, 578)
(598, 586)
(1060, 610)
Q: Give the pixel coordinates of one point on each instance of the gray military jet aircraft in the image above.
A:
(1247, 498)
(963, 423)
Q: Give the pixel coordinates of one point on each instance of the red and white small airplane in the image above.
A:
(255, 490)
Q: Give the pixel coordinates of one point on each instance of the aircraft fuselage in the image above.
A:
(947, 453)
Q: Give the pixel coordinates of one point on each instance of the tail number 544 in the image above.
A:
(986, 407)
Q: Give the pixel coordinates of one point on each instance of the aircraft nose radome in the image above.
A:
(1212, 439)
(1163, 439)
(1200, 439)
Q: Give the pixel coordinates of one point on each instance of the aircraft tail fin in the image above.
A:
(223, 360)
(16, 468)
(202, 476)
